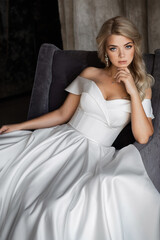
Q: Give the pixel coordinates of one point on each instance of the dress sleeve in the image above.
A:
(77, 86)
(146, 103)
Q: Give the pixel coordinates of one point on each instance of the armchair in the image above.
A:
(57, 68)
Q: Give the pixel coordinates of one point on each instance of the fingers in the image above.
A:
(9, 128)
(4, 129)
(122, 74)
(126, 72)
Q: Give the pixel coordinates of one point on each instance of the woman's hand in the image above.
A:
(10, 128)
(124, 75)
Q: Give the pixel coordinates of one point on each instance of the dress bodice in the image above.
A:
(98, 119)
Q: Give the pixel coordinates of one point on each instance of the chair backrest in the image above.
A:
(57, 68)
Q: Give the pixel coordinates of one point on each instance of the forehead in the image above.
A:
(118, 40)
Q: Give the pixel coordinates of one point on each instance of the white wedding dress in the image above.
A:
(68, 183)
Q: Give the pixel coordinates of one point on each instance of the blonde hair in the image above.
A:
(122, 26)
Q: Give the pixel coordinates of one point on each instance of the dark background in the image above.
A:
(24, 26)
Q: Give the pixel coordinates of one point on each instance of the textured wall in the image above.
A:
(153, 24)
(81, 20)
(66, 18)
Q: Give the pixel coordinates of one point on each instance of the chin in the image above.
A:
(122, 65)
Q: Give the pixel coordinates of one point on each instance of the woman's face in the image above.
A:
(120, 50)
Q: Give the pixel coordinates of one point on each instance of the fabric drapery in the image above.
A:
(81, 21)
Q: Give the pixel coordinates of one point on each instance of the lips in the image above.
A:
(122, 62)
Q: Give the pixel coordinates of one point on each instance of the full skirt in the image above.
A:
(55, 184)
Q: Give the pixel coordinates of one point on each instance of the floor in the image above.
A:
(14, 109)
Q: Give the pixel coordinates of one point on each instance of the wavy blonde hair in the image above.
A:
(122, 26)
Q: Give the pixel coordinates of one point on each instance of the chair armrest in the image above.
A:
(39, 103)
(150, 154)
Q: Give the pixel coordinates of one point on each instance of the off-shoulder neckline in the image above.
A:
(107, 100)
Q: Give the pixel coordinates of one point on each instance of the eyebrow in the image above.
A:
(117, 46)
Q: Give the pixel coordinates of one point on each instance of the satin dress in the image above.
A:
(68, 182)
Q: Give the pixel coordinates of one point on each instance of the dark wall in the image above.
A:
(24, 26)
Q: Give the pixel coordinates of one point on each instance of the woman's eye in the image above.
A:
(129, 46)
(112, 49)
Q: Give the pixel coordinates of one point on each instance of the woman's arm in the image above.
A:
(59, 116)
(142, 127)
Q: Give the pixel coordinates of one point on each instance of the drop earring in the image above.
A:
(107, 60)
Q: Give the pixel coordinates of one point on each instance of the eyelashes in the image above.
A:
(129, 46)
(113, 49)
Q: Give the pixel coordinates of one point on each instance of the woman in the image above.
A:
(66, 181)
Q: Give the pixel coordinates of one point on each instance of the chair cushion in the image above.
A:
(67, 65)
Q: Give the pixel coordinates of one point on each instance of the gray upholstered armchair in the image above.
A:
(57, 68)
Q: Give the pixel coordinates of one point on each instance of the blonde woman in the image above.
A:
(65, 181)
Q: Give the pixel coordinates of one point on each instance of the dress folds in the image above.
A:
(68, 182)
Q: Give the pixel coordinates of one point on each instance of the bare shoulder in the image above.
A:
(90, 73)
(148, 93)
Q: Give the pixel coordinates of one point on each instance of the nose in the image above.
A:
(121, 53)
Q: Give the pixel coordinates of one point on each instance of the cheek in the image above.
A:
(131, 56)
(132, 53)
(112, 57)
